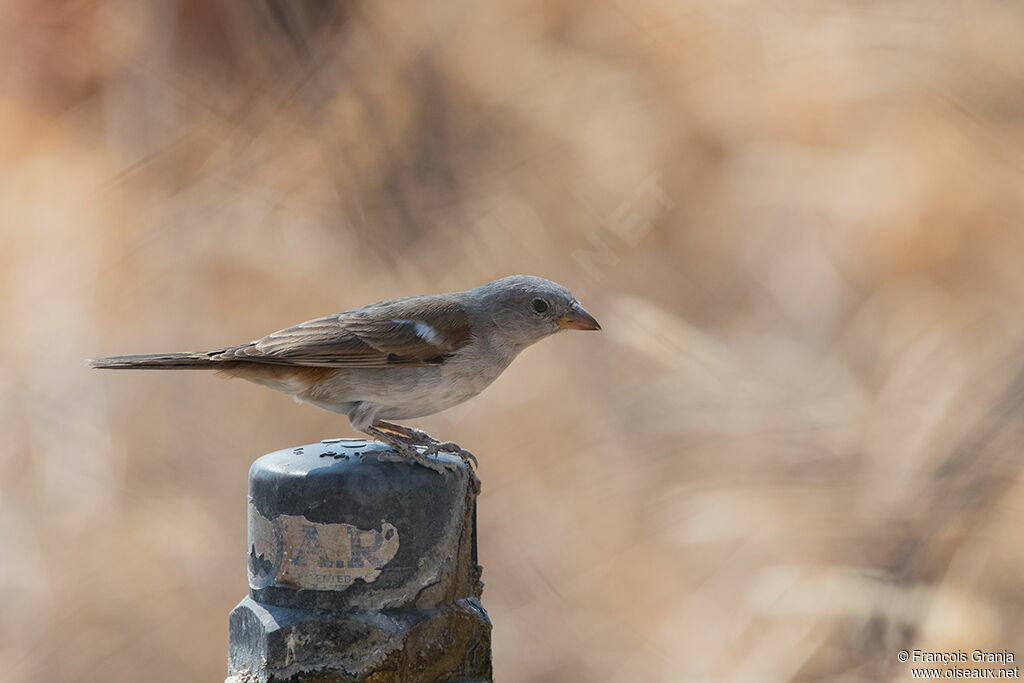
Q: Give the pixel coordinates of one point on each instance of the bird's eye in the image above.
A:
(540, 305)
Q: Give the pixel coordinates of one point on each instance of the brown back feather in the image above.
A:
(376, 336)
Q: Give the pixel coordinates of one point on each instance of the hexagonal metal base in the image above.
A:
(281, 644)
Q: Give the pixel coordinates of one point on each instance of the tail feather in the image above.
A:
(157, 361)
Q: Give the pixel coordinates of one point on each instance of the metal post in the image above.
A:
(359, 570)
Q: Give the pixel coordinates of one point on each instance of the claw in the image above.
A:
(454, 449)
(438, 466)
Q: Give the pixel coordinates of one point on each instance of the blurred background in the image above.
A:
(795, 448)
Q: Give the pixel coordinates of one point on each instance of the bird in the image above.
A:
(397, 359)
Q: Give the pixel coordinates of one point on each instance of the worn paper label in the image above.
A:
(293, 552)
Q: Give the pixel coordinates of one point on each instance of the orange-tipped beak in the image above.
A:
(578, 319)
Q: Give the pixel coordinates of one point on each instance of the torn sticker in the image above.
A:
(292, 552)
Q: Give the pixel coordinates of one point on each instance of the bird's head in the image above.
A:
(526, 308)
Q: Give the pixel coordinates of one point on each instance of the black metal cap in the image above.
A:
(331, 526)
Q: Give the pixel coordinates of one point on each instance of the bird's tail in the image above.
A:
(157, 361)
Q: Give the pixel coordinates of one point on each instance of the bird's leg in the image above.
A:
(413, 435)
(407, 450)
(410, 437)
(421, 438)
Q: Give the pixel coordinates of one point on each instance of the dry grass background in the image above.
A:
(795, 448)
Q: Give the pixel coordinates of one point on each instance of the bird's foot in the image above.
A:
(454, 449)
(405, 442)
(421, 438)
(407, 451)
(438, 465)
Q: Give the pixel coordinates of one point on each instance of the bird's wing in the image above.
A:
(414, 331)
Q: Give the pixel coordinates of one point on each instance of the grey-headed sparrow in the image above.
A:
(396, 359)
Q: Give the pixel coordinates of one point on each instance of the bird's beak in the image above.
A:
(578, 319)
